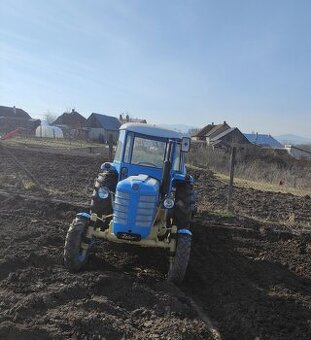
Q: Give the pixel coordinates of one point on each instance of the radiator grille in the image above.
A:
(145, 209)
(121, 208)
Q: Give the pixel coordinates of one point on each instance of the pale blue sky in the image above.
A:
(189, 62)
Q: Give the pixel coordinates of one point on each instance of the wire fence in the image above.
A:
(265, 169)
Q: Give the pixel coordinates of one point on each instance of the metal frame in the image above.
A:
(159, 228)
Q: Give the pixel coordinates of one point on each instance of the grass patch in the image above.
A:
(262, 169)
(290, 222)
(29, 185)
(263, 186)
(223, 213)
(58, 143)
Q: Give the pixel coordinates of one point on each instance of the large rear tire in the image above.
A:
(100, 206)
(75, 257)
(179, 266)
(183, 201)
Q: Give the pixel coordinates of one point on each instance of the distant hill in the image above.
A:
(293, 139)
(178, 127)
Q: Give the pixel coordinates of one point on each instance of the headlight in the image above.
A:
(103, 192)
(168, 203)
(105, 166)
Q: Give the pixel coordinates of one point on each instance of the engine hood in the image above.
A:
(135, 205)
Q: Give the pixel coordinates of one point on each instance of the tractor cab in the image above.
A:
(143, 149)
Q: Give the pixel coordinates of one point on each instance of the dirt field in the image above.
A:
(252, 279)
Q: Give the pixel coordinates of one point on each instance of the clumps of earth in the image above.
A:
(246, 279)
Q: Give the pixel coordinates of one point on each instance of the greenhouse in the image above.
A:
(48, 131)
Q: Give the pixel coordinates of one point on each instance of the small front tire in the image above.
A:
(76, 252)
(179, 266)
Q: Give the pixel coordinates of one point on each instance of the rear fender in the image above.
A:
(183, 178)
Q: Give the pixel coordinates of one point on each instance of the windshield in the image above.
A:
(148, 152)
(144, 151)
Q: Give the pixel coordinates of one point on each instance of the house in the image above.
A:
(225, 139)
(12, 118)
(200, 135)
(263, 140)
(219, 136)
(102, 127)
(210, 131)
(72, 120)
(298, 153)
(127, 119)
(13, 112)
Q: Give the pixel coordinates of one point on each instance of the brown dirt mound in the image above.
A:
(120, 294)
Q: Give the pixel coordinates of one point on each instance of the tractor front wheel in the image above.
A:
(179, 265)
(76, 250)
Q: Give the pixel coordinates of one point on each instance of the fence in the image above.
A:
(267, 169)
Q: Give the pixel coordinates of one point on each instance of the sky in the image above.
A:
(171, 62)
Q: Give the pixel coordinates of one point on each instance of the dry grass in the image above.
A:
(58, 143)
(29, 185)
(290, 222)
(263, 186)
(260, 169)
(223, 213)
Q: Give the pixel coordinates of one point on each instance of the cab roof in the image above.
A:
(151, 130)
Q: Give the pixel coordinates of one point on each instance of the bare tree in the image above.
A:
(50, 117)
(193, 131)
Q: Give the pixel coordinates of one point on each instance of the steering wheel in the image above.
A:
(147, 163)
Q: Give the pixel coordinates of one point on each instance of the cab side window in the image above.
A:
(128, 147)
(176, 164)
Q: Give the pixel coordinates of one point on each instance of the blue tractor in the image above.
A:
(144, 198)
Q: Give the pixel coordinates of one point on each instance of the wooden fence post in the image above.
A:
(110, 148)
(232, 163)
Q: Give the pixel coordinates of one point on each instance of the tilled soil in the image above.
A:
(251, 279)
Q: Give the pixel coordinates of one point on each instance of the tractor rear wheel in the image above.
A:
(183, 201)
(102, 206)
(179, 266)
(74, 255)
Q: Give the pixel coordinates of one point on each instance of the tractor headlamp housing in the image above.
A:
(105, 166)
(103, 192)
(168, 203)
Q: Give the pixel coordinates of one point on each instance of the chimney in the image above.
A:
(14, 110)
(212, 123)
(225, 122)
